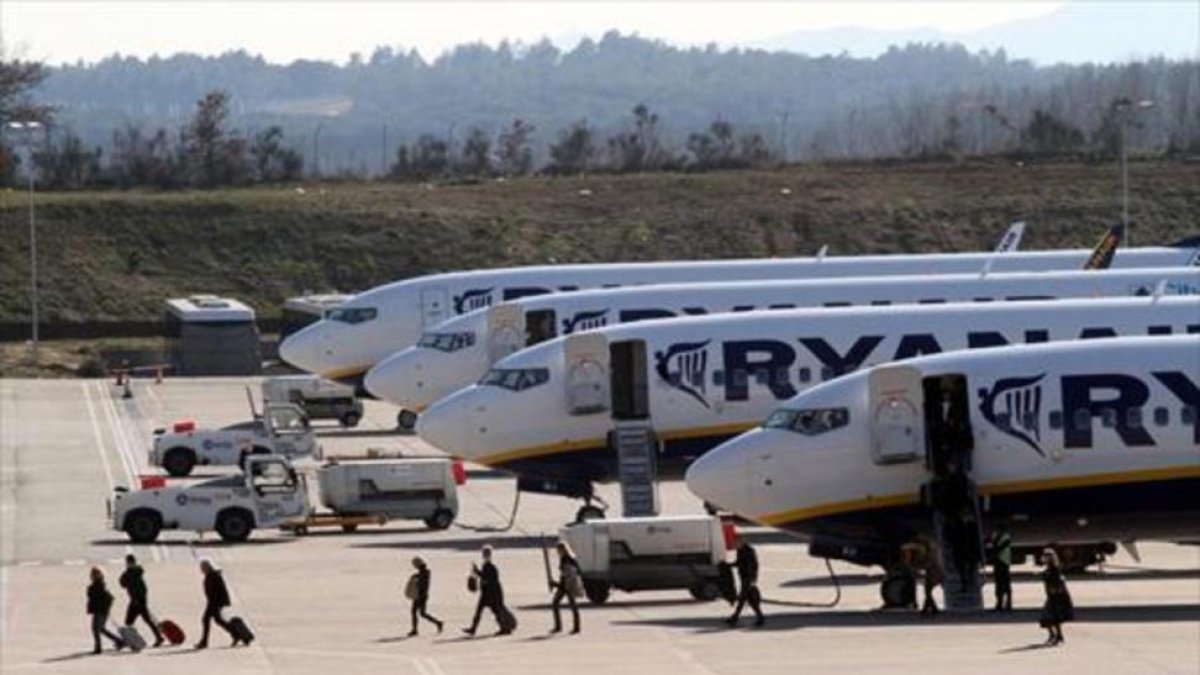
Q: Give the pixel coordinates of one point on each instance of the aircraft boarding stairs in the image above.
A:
(960, 594)
(637, 449)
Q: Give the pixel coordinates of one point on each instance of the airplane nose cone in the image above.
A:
(302, 350)
(444, 426)
(398, 379)
(720, 477)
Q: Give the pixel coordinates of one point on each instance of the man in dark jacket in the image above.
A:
(216, 598)
(1000, 547)
(133, 580)
(491, 593)
(747, 569)
(99, 602)
(420, 582)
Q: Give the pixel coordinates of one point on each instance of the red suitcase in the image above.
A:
(171, 631)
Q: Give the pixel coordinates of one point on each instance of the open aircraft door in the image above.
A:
(897, 405)
(435, 306)
(506, 331)
(587, 378)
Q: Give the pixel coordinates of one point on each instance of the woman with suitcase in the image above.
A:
(1058, 608)
(568, 587)
(99, 603)
(417, 590)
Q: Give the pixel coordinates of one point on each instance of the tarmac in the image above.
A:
(332, 602)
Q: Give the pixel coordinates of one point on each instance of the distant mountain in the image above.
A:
(1079, 32)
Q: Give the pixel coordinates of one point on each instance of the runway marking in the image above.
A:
(75, 562)
(100, 445)
(124, 447)
(31, 563)
(8, 523)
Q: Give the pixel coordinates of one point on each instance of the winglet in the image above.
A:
(1008, 243)
(821, 253)
(1102, 256)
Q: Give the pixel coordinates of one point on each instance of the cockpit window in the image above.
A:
(352, 315)
(810, 422)
(447, 342)
(515, 379)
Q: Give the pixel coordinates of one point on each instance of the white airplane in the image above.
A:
(459, 352)
(1067, 443)
(548, 413)
(368, 327)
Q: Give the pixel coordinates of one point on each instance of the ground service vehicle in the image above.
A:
(268, 493)
(387, 489)
(282, 429)
(639, 554)
(320, 399)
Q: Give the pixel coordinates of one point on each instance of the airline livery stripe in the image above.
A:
(1013, 487)
(563, 447)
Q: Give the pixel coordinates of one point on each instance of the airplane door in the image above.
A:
(897, 404)
(435, 306)
(506, 331)
(629, 381)
(586, 368)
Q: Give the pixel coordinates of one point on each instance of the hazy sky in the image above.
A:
(61, 31)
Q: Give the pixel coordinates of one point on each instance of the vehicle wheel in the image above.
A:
(406, 421)
(349, 419)
(898, 590)
(143, 526)
(706, 590)
(235, 524)
(179, 462)
(440, 520)
(350, 527)
(589, 512)
(596, 591)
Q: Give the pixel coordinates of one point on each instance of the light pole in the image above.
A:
(29, 127)
(1126, 108)
(316, 167)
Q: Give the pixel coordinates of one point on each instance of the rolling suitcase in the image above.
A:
(131, 638)
(171, 631)
(240, 630)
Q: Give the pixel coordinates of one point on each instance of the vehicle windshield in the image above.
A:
(447, 342)
(287, 420)
(352, 315)
(271, 477)
(810, 421)
(515, 379)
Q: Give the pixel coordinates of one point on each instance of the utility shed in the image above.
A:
(210, 335)
(300, 311)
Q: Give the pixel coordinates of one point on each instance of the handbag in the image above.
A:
(410, 588)
(472, 583)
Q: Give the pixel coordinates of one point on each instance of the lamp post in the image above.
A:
(1126, 109)
(29, 127)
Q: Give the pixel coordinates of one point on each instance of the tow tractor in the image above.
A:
(268, 493)
(281, 429)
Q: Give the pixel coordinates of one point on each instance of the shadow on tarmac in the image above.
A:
(858, 618)
(336, 432)
(1028, 576)
(182, 543)
(499, 541)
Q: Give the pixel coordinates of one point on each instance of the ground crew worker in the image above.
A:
(1001, 550)
(491, 593)
(569, 581)
(133, 580)
(419, 584)
(99, 602)
(216, 598)
(747, 571)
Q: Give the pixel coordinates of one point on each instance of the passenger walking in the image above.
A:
(1058, 608)
(417, 590)
(133, 580)
(568, 587)
(747, 569)
(216, 599)
(99, 602)
(491, 594)
(924, 558)
(1000, 545)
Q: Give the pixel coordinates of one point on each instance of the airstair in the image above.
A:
(637, 456)
(960, 593)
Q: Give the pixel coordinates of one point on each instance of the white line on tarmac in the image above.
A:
(7, 532)
(100, 446)
(124, 450)
(432, 667)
